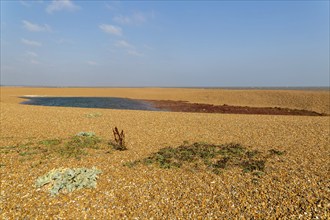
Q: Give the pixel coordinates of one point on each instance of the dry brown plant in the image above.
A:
(119, 137)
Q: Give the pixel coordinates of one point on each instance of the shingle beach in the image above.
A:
(295, 184)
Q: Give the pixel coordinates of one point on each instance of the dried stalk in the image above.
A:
(119, 139)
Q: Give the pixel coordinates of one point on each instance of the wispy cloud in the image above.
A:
(129, 48)
(135, 19)
(135, 53)
(32, 57)
(92, 63)
(111, 29)
(59, 5)
(31, 43)
(123, 44)
(35, 27)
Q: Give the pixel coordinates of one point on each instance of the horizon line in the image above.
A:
(183, 87)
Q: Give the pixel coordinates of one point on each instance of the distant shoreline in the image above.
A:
(187, 87)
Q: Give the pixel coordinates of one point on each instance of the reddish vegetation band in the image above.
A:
(184, 106)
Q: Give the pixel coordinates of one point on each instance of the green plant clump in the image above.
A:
(84, 140)
(210, 156)
(70, 151)
(75, 146)
(202, 153)
(50, 142)
(67, 179)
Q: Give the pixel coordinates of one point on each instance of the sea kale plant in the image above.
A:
(67, 179)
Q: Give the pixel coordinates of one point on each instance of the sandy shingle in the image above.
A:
(294, 185)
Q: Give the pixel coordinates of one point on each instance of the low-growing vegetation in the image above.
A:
(67, 180)
(7, 149)
(209, 156)
(88, 140)
(73, 146)
(276, 152)
(50, 142)
(93, 115)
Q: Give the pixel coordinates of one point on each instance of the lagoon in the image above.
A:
(90, 102)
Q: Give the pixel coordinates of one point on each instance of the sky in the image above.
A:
(165, 43)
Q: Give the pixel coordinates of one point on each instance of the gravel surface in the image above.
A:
(294, 185)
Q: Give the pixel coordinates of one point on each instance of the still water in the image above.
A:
(91, 102)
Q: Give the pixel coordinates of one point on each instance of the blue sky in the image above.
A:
(165, 43)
